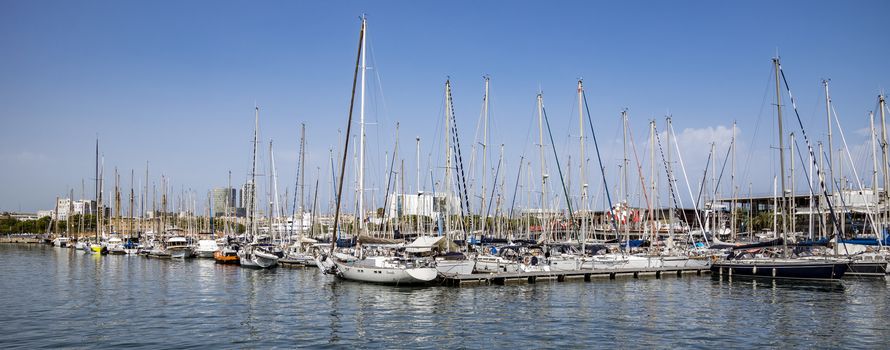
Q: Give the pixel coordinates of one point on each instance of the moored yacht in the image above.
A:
(115, 246)
(206, 248)
(378, 269)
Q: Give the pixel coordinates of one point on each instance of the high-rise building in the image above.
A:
(224, 200)
(247, 191)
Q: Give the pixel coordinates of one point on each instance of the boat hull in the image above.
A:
(222, 258)
(455, 267)
(860, 268)
(299, 260)
(257, 259)
(204, 254)
(783, 270)
(684, 262)
(382, 275)
(180, 253)
(488, 264)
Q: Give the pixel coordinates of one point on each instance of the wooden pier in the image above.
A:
(502, 278)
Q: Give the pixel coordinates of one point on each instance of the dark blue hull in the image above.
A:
(867, 269)
(786, 270)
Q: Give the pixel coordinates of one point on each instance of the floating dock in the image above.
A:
(502, 278)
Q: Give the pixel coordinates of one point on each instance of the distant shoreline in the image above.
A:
(20, 239)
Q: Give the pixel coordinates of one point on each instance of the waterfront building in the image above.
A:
(224, 200)
(423, 204)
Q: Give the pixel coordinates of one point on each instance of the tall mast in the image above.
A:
(448, 155)
(361, 52)
(96, 196)
(228, 204)
(302, 178)
(874, 174)
(276, 204)
(143, 199)
(417, 185)
(652, 212)
(544, 175)
(791, 204)
(251, 210)
(713, 218)
(581, 161)
(886, 165)
(823, 207)
(361, 157)
(830, 144)
(781, 156)
(732, 189)
(117, 198)
(484, 152)
(132, 203)
(624, 177)
(670, 180)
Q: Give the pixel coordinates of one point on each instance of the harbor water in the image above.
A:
(54, 297)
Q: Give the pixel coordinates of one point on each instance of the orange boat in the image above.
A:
(226, 255)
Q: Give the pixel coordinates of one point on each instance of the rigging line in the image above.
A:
(639, 169)
(516, 187)
(493, 187)
(346, 146)
(675, 198)
(810, 185)
(843, 205)
(819, 172)
(853, 166)
(723, 168)
(461, 183)
(701, 188)
(389, 178)
(296, 184)
(565, 191)
(686, 178)
(599, 159)
(763, 104)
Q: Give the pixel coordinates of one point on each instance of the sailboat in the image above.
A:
(96, 247)
(258, 252)
(296, 253)
(784, 267)
(377, 269)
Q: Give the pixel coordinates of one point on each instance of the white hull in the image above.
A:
(206, 248)
(680, 261)
(180, 253)
(494, 264)
(61, 242)
(455, 267)
(204, 254)
(619, 261)
(298, 259)
(116, 249)
(361, 272)
(565, 263)
(257, 259)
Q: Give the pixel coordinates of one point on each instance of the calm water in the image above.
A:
(54, 297)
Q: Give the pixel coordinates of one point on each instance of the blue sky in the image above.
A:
(174, 83)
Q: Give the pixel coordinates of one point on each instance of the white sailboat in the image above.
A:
(257, 253)
(376, 269)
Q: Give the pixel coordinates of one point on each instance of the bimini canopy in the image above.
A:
(425, 244)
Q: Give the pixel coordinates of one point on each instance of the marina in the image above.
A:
(494, 175)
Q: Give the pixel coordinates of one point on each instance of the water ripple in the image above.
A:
(59, 298)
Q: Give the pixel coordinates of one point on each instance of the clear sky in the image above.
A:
(174, 83)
